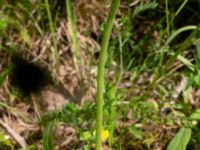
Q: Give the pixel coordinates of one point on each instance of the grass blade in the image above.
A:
(52, 28)
(48, 136)
(73, 32)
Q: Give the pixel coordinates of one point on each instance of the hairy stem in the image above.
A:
(101, 70)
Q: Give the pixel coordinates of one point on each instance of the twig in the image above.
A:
(20, 140)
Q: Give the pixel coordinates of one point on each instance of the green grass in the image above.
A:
(52, 29)
(147, 74)
(73, 31)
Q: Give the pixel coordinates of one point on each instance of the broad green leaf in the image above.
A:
(195, 115)
(180, 141)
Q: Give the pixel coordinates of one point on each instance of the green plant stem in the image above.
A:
(167, 15)
(181, 7)
(73, 31)
(52, 28)
(101, 70)
(114, 102)
(177, 12)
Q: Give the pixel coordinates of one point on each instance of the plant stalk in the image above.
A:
(101, 70)
(52, 28)
(73, 32)
(167, 16)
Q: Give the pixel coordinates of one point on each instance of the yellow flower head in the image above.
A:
(104, 135)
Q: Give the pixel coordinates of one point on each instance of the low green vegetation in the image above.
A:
(134, 63)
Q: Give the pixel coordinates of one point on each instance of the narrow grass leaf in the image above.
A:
(181, 7)
(3, 75)
(184, 45)
(186, 62)
(52, 29)
(73, 31)
(48, 136)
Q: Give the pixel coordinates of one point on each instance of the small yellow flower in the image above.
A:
(104, 135)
